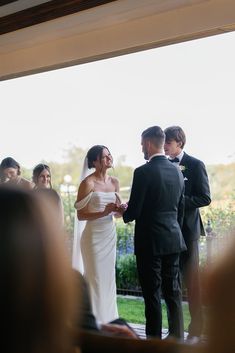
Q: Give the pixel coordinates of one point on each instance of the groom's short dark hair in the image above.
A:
(155, 134)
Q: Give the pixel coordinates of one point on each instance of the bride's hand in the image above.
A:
(109, 208)
(122, 208)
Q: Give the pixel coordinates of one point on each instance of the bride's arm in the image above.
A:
(84, 215)
(85, 188)
(117, 214)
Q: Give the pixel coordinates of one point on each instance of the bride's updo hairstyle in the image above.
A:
(95, 153)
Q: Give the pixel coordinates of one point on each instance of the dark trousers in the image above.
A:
(160, 274)
(189, 266)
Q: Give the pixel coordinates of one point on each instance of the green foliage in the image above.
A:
(73, 164)
(126, 272)
(125, 237)
(26, 173)
(69, 211)
(222, 181)
(220, 218)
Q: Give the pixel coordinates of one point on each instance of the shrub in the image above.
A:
(221, 218)
(126, 272)
(125, 238)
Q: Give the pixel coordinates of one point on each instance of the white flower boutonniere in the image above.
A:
(182, 168)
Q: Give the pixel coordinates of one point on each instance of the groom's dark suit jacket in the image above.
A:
(157, 206)
(197, 194)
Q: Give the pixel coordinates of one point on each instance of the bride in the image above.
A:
(97, 201)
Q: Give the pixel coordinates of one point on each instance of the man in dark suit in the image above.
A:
(197, 194)
(156, 205)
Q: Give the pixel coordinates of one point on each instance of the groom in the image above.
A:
(156, 205)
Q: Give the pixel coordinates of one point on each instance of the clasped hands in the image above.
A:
(113, 207)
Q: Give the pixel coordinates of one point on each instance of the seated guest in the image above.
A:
(37, 292)
(11, 173)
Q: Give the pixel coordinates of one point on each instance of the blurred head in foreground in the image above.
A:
(37, 294)
(52, 198)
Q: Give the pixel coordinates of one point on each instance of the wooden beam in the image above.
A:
(46, 12)
(6, 2)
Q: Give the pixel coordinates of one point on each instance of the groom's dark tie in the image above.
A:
(174, 160)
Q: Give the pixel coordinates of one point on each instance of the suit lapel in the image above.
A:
(184, 165)
(184, 159)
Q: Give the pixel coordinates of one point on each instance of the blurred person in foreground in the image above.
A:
(37, 291)
(11, 174)
(218, 295)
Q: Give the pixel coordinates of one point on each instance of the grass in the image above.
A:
(132, 310)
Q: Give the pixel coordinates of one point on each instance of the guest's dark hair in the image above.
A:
(155, 134)
(37, 170)
(36, 297)
(95, 153)
(9, 162)
(175, 133)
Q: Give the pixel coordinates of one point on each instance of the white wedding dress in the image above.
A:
(98, 248)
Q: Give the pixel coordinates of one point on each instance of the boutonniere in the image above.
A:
(182, 168)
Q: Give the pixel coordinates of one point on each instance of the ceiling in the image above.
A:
(83, 20)
(39, 35)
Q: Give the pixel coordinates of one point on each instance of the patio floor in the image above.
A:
(140, 330)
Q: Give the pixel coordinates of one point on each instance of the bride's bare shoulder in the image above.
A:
(115, 182)
(89, 179)
(86, 186)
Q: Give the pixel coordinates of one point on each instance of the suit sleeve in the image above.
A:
(137, 197)
(201, 191)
